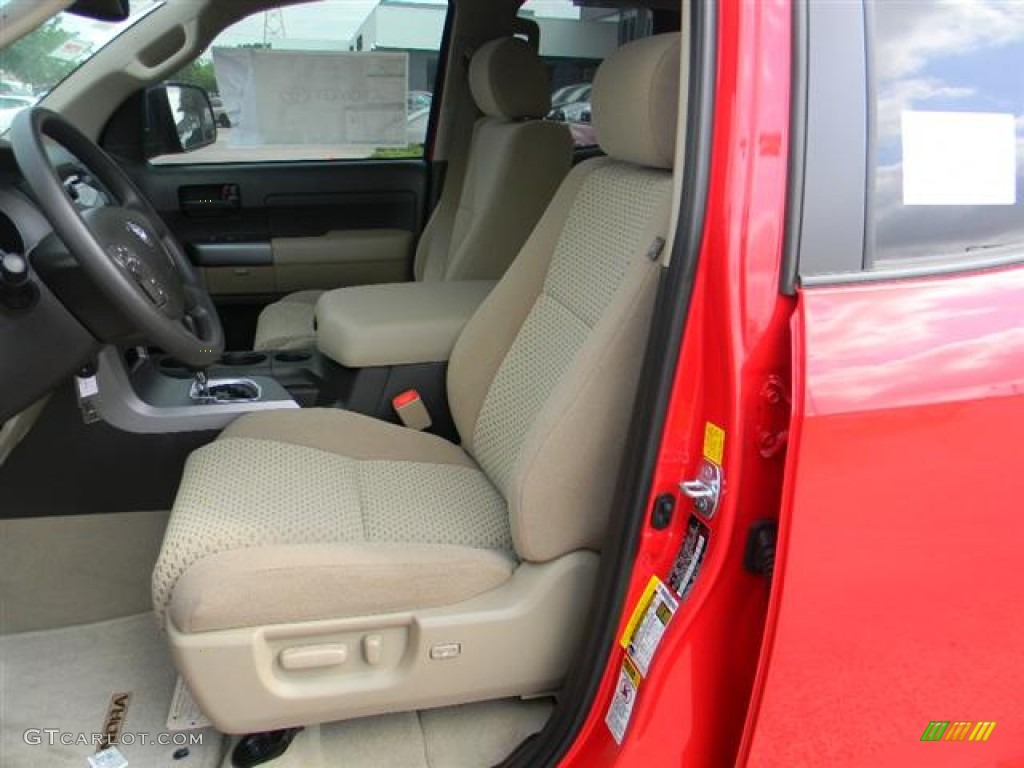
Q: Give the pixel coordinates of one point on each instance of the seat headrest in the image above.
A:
(635, 101)
(508, 80)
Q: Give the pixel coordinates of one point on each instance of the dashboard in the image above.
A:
(58, 329)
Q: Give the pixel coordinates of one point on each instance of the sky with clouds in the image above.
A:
(958, 56)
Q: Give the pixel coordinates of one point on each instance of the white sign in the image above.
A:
(313, 97)
(71, 49)
(959, 158)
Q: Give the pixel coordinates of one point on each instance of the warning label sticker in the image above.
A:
(714, 443)
(658, 609)
(690, 557)
(621, 708)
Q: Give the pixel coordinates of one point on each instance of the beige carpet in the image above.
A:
(64, 571)
(467, 736)
(63, 679)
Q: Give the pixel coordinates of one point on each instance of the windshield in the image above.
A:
(38, 62)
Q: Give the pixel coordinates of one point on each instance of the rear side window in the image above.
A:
(945, 161)
(574, 40)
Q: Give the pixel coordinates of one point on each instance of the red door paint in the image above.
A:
(691, 708)
(900, 597)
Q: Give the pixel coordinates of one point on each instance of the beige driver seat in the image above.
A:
(515, 163)
(321, 565)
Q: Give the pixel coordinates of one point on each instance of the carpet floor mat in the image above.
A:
(62, 690)
(466, 736)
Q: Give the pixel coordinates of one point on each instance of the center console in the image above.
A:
(154, 393)
(380, 340)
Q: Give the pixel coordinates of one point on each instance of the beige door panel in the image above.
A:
(235, 281)
(336, 260)
(341, 258)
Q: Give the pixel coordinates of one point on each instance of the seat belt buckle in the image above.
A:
(411, 410)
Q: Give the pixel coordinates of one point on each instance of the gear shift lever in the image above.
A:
(202, 385)
(206, 391)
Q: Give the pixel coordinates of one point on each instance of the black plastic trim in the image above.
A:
(835, 174)
(440, 80)
(797, 151)
(659, 369)
(952, 264)
(871, 116)
(243, 254)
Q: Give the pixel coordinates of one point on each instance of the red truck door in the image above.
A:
(895, 631)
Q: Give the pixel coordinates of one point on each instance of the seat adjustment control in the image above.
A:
(313, 656)
(373, 649)
(446, 651)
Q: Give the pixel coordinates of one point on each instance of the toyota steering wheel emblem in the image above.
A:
(139, 232)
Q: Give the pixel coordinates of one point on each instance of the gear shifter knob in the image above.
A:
(202, 384)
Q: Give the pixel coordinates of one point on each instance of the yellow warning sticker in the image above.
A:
(647, 635)
(714, 443)
(639, 610)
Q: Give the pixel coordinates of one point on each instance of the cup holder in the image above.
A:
(293, 356)
(237, 359)
(174, 368)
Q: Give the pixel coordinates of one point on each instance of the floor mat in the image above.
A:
(467, 736)
(68, 681)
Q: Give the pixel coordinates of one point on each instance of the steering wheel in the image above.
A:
(126, 248)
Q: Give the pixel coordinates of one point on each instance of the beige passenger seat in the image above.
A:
(515, 163)
(322, 565)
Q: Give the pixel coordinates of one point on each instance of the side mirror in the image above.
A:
(179, 118)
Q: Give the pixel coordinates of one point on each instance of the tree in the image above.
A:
(199, 73)
(31, 59)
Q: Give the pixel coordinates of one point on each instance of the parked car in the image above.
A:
(571, 104)
(219, 113)
(723, 471)
(419, 100)
(569, 94)
(417, 116)
(10, 107)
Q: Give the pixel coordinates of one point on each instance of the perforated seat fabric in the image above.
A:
(352, 487)
(541, 385)
(514, 164)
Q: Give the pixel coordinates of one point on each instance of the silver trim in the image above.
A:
(205, 392)
(706, 489)
(119, 405)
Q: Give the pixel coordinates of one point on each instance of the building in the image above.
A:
(572, 47)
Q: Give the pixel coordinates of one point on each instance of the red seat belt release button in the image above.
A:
(411, 410)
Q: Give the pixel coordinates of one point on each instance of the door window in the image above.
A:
(573, 42)
(334, 79)
(948, 128)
